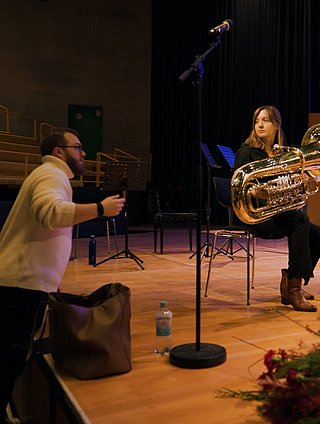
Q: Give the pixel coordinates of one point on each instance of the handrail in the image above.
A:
(15, 121)
(26, 162)
(41, 126)
(7, 117)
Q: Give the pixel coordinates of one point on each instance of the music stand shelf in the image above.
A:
(134, 172)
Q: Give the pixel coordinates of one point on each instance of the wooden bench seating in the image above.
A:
(19, 147)
(21, 157)
(18, 139)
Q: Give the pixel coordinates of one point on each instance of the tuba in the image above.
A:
(286, 180)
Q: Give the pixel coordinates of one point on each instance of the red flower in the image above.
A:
(269, 360)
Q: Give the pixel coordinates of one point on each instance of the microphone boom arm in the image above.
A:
(197, 64)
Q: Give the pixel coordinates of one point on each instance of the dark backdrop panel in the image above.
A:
(314, 105)
(264, 59)
(5, 207)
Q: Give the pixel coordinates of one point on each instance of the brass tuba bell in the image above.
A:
(286, 180)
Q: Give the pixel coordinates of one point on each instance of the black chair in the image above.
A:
(92, 195)
(232, 234)
(162, 219)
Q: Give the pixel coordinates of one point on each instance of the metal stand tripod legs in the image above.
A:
(125, 253)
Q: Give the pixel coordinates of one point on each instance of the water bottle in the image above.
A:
(92, 250)
(163, 329)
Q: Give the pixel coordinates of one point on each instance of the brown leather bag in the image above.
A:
(90, 334)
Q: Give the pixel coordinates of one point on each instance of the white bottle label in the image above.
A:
(163, 326)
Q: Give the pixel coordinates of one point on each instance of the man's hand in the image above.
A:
(113, 205)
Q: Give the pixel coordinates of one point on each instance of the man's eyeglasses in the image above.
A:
(75, 146)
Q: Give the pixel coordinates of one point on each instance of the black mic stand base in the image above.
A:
(126, 254)
(188, 356)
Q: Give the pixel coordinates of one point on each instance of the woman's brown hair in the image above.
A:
(275, 117)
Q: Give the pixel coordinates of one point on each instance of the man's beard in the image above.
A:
(77, 167)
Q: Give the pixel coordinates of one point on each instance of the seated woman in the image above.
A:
(303, 236)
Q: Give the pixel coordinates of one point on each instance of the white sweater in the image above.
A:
(35, 242)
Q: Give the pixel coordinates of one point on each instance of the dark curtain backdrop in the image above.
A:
(314, 101)
(265, 59)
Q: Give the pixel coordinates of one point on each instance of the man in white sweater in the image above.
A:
(35, 245)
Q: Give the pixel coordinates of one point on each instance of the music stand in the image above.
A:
(118, 175)
(211, 163)
(228, 155)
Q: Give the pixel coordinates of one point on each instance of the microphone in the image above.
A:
(225, 26)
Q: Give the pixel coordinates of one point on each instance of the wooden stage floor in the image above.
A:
(156, 391)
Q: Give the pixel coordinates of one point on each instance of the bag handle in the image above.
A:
(37, 334)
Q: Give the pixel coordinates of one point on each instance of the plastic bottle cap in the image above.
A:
(163, 303)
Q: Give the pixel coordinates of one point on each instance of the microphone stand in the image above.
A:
(205, 248)
(198, 355)
(207, 244)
